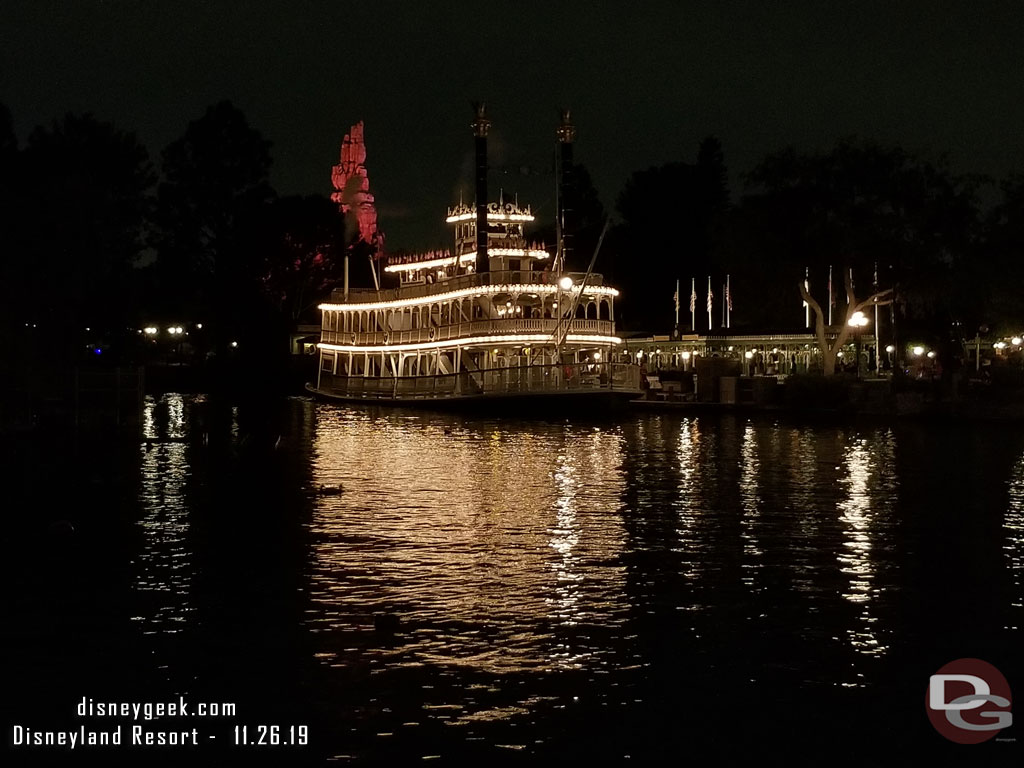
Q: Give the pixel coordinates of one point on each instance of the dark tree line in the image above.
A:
(857, 208)
(98, 235)
(99, 239)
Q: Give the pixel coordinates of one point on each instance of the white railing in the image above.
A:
(512, 326)
(522, 380)
(517, 277)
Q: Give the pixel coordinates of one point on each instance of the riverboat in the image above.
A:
(496, 317)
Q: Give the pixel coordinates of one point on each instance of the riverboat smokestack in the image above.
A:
(480, 127)
(566, 194)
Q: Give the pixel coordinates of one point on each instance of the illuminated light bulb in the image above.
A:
(597, 356)
(686, 355)
(565, 283)
(890, 349)
(931, 354)
(234, 343)
(1016, 341)
(918, 351)
(748, 354)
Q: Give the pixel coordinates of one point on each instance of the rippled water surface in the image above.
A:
(455, 587)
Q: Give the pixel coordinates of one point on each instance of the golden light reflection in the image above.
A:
(1013, 524)
(495, 548)
(750, 500)
(163, 578)
(690, 495)
(866, 465)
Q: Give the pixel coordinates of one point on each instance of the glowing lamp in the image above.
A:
(234, 344)
(890, 349)
(748, 354)
(565, 283)
(1016, 341)
(918, 351)
(686, 355)
(597, 356)
(931, 355)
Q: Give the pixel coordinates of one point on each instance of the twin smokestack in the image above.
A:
(566, 135)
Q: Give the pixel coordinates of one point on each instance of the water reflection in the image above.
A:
(480, 574)
(1014, 546)
(750, 500)
(868, 469)
(494, 547)
(163, 572)
(690, 501)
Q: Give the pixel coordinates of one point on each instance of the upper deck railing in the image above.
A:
(476, 328)
(510, 278)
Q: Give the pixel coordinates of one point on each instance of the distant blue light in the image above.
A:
(98, 351)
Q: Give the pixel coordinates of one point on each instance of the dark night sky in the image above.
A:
(645, 80)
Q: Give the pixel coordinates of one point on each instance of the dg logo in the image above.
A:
(968, 701)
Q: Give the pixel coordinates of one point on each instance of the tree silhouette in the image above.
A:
(669, 219)
(214, 193)
(858, 208)
(994, 279)
(303, 253)
(83, 202)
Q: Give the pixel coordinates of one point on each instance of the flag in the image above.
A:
(675, 296)
(728, 295)
(831, 293)
(710, 295)
(693, 298)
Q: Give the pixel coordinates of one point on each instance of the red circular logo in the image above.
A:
(968, 701)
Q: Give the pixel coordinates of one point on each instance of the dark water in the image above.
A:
(642, 589)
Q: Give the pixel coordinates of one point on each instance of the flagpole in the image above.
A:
(693, 305)
(677, 305)
(710, 321)
(878, 357)
(728, 302)
(724, 289)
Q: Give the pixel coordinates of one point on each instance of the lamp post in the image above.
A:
(858, 321)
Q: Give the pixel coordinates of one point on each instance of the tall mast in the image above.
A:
(565, 196)
(481, 125)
